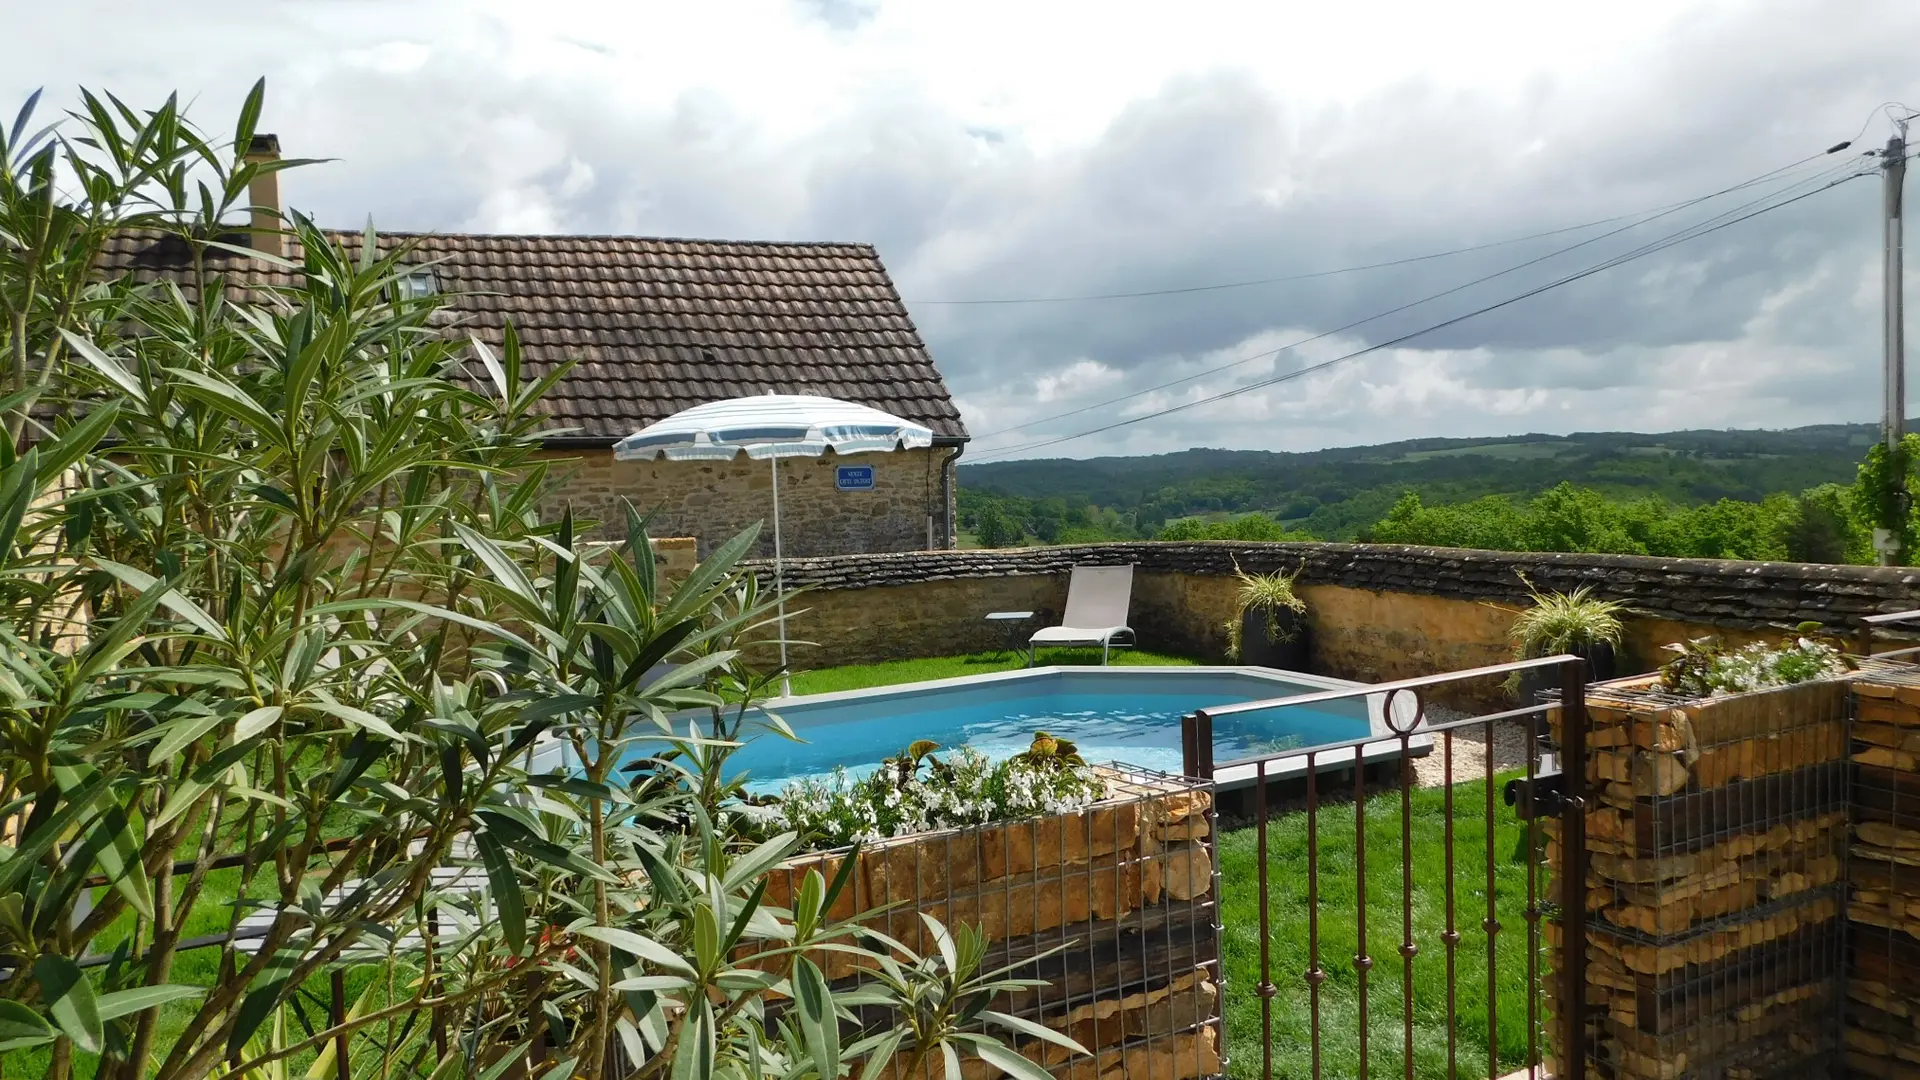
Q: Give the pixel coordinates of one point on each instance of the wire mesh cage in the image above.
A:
(1882, 1036)
(1112, 906)
(1717, 834)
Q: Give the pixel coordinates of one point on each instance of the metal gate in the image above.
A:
(1371, 894)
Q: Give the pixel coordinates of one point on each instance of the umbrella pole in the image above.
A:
(780, 581)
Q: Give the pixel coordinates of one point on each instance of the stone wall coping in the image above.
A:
(1720, 592)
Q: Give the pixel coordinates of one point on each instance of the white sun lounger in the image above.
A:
(1097, 602)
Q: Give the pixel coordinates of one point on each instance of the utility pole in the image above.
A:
(1893, 423)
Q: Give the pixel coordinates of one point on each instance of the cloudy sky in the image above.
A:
(1047, 151)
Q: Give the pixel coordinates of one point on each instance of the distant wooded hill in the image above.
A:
(1334, 494)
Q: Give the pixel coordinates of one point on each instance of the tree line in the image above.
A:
(1682, 507)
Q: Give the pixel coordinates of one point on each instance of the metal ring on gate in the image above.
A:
(1419, 711)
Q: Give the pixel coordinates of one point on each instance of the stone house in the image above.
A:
(659, 325)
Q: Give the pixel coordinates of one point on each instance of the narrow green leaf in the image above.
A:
(57, 455)
(706, 937)
(754, 863)
(118, 852)
(692, 592)
(255, 722)
(841, 878)
(656, 650)
(494, 371)
(249, 117)
(525, 841)
(229, 400)
(17, 492)
(690, 673)
(944, 940)
(359, 718)
(693, 1058)
(1007, 1060)
(557, 705)
(655, 983)
(20, 120)
(342, 607)
(746, 917)
(637, 945)
(172, 599)
(630, 1039)
(510, 907)
(259, 1004)
(70, 1001)
(184, 796)
(1028, 1027)
(21, 1026)
(504, 570)
(179, 733)
(640, 547)
(141, 998)
(105, 365)
(882, 1054)
(508, 1060)
(818, 1024)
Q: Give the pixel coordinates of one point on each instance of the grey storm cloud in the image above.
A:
(1212, 178)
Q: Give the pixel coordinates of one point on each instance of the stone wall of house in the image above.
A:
(1375, 611)
(713, 500)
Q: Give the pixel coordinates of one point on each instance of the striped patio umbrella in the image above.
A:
(770, 427)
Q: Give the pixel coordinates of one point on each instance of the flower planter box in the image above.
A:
(1717, 834)
(1126, 884)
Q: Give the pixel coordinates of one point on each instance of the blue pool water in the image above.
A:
(1131, 715)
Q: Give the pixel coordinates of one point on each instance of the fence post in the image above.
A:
(1196, 745)
(336, 1016)
(438, 1022)
(1573, 876)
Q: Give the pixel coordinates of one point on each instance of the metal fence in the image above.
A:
(1346, 786)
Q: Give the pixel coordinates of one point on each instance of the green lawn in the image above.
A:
(862, 676)
(1286, 856)
(1339, 997)
(193, 967)
(1287, 913)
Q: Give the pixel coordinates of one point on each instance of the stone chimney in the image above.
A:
(265, 233)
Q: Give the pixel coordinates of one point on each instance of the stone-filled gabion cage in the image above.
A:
(1717, 836)
(1118, 900)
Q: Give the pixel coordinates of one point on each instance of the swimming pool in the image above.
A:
(1125, 714)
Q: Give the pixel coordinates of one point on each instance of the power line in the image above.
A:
(1406, 261)
(1690, 233)
(1646, 217)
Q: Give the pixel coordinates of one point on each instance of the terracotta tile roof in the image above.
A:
(660, 325)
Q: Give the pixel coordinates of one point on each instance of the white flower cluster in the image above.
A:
(1762, 667)
(963, 789)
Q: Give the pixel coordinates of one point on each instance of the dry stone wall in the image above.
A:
(713, 500)
(1375, 612)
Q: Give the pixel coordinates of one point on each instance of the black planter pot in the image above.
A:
(1293, 653)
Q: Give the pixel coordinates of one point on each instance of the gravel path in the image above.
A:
(1470, 751)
